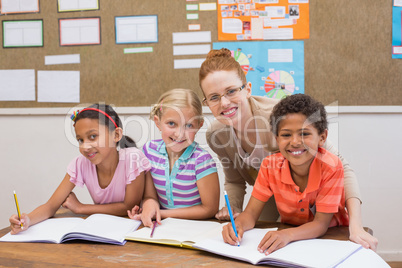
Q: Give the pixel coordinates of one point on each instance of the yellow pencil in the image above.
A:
(18, 208)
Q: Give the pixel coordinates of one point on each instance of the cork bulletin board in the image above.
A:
(347, 57)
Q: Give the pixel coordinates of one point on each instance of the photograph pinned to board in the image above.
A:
(22, 33)
(77, 5)
(19, 6)
(80, 31)
(275, 68)
(263, 20)
(136, 29)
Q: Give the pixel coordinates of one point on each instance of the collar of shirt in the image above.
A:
(314, 176)
(186, 154)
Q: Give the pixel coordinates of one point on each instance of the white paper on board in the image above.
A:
(232, 26)
(17, 85)
(191, 49)
(192, 37)
(280, 55)
(23, 33)
(19, 6)
(80, 31)
(136, 29)
(398, 3)
(207, 6)
(59, 86)
(62, 59)
(188, 63)
(68, 5)
(282, 33)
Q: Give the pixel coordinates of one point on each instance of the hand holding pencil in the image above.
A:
(18, 222)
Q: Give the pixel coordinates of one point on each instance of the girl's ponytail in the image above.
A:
(126, 142)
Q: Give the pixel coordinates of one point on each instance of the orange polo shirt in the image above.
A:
(324, 191)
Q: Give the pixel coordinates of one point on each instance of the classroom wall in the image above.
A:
(37, 144)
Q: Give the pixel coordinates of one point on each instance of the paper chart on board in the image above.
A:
(397, 30)
(17, 85)
(136, 29)
(275, 19)
(82, 31)
(275, 69)
(59, 86)
(23, 33)
(77, 5)
(19, 6)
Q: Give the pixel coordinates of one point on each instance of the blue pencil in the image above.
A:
(231, 216)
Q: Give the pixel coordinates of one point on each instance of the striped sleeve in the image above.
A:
(204, 165)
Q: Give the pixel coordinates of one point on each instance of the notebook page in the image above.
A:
(104, 226)
(50, 230)
(175, 229)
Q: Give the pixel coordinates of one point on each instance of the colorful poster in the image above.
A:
(275, 69)
(396, 30)
(263, 19)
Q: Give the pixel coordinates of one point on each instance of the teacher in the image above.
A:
(241, 137)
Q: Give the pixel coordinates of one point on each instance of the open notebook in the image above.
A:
(178, 232)
(97, 228)
(304, 253)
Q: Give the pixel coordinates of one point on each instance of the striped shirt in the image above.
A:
(324, 191)
(179, 188)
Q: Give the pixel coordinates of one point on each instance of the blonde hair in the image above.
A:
(220, 60)
(177, 98)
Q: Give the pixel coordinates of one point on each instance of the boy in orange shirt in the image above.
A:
(306, 180)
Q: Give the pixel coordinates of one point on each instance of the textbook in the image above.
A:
(178, 232)
(304, 253)
(96, 228)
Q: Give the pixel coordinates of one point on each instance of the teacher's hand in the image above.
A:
(223, 214)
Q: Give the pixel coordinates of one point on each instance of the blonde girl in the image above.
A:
(183, 181)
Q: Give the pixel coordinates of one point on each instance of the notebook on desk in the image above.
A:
(178, 232)
(96, 228)
(304, 253)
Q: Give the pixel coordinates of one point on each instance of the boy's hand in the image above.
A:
(72, 203)
(360, 236)
(15, 223)
(274, 240)
(223, 214)
(229, 235)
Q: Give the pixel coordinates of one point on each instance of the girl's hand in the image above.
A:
(274, 240)
(15, 223)
(72, 203)
(223, 214)
(360, 236)
(229, 235)
(150, 210)
(135, 213)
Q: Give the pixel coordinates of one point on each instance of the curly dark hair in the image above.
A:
(299, 103)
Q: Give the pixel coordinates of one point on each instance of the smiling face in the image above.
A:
(96, 141)
(298, 141)
(178, 127)
(229, 112)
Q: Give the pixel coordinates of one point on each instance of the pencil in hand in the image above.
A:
(18, 209)
(153, 229)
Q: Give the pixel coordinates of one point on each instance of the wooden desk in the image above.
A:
(86, 254)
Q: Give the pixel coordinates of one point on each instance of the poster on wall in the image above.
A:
(274, 68)
(396, 30)
(263, 19)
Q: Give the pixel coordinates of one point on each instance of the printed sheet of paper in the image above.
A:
(191, 50)
(397, 30)
(136, 29)
(275, 69)
(192, 37)
(17, 85)
(58, 86)
(19, 6)
(83, 31)
(77, 5)
(273, 19)
(188, 63)
(62, 59)
(23, 33)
